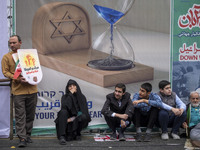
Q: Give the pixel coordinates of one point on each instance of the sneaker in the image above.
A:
(28, 140)
(139, 137)
(121, 137)
(147, 137)
(62, 140)
(113, 136)
(22, 143)
(164, 136)
(175, 136)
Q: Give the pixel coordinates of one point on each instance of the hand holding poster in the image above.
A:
(18, 70)
(30, 65)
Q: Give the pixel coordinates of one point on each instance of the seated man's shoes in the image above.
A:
(175, 136)
(139, 137)
(28, 140)
(113, 136)
(121, 136)
(22, 143)
(78, 138)
(62, 140)
(147, 137)
(70, 136)
(165, 136)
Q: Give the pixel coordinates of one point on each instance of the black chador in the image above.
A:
(73, 116)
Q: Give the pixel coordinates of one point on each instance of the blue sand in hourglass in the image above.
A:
(111, 16)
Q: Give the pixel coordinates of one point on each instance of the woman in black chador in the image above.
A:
(73, 116)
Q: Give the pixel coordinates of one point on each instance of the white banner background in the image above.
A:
(4, 91)
(146, 27)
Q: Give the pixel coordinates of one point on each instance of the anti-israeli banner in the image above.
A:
(4, 91)
(64, 33)
(185, 47)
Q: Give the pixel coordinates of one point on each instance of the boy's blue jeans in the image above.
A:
(167, 119)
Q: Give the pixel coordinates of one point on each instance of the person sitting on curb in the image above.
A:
(192, 123)
(146, 110)
(74, 115)
(117, 111)
(173, 113)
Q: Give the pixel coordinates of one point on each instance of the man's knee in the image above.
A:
(195, 134)
(163, 113)
(107, 118)
(111, 120)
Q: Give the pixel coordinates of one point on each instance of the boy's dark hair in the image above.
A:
(147, 86)
(163, 83)
(18, 37)
(122, 86)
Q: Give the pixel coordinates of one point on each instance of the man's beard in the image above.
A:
(195, 105)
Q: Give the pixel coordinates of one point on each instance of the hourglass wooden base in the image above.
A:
(74, 63)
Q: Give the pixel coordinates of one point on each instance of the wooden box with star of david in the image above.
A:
(61, 33)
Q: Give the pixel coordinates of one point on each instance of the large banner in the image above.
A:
(185, 47)
(145, 27)
(4, 91)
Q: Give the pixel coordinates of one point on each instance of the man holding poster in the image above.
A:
(24, 94)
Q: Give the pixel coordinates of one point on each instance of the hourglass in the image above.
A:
(111, 50)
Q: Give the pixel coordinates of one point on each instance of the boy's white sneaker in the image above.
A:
(175, 136)
(164, 136)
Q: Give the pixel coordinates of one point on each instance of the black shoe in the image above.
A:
(121, 136)
(147, 137)
(28, 140)
(113, 136)
(78, 138)
(22, 143)
(69, 138)
(139, 137)
(62, 140)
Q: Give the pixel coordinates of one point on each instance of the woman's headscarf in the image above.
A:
(82, 102)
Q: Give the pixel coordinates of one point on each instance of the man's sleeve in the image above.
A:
(130, 109)
(179, 103)
(166, 107)
(106, 108)
(5, 68)
(140, 105)
(155, 101)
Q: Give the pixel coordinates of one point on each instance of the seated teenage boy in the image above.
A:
(118, 110)
(173, 113)
(146, 110)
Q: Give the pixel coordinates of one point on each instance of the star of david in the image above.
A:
(58, 32)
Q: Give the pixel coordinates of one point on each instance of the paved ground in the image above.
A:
(88, 143)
